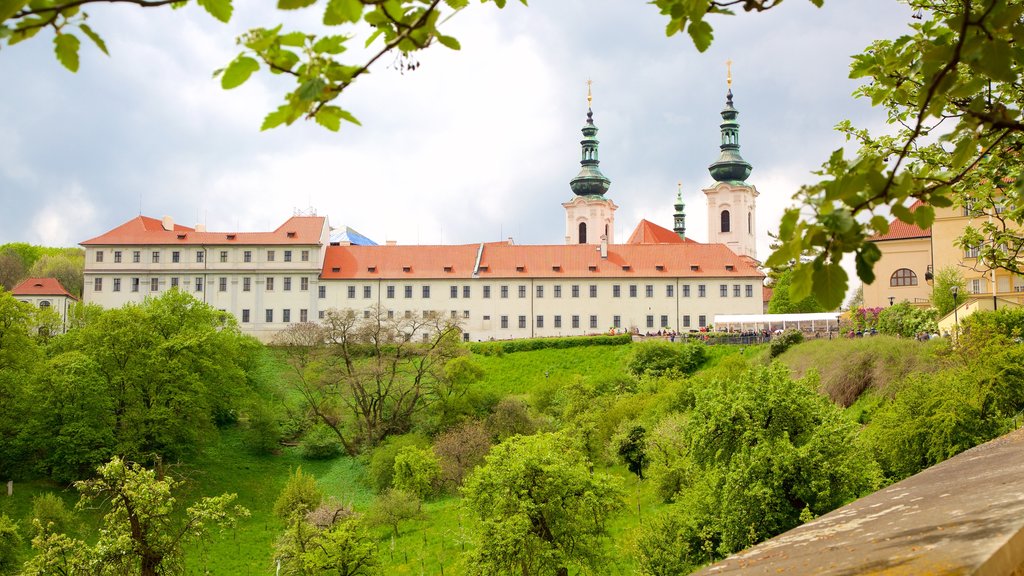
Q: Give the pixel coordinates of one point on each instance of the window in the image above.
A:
(286, 315)
(366, 314)
(686, 290)
(649, 291)
(270, 284)
(390, 291)
(222, 284)
(664, 320)
(367, 292)
(320, 314)
(304, 256)
(303, 315)
(616, 321)
(632, 290)
(583, 232)
(522, 321)
(246, 284)
(176, 257)
(686, 321)
(200, 256)
(616, 291)
(701, 291)
(174, 282)
(750, 223)
(976, 286)
(650, 321)
(593, 290)
(522, 290)
(558, 321)
(540, 291)
(351, 291)
(269, 316)
(487, 291)
(670, 290)
(702, 321)
(287, 257)
(199, 284)
(245, 314)
(154, 284)
(972, 252)
(304, 284)
(287, 284)
(99, 256)
(135, 284)
(736, 290)
(575, 321)
(465, 291)
(156, 256)
(725, 221)
(593, 321)
(504, 321)
(247, 256)
(136, 256)
(504, 291)
(117, 256)
(117, 284)
(321, 291)
(454, 292)
(557, 289)
(575, 290)
(426, 291)
(903, 277)
(407, 290)
(750, 291)
(223, 256)
(270, 255)
(465, 314)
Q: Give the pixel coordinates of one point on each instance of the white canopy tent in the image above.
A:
(820, 321)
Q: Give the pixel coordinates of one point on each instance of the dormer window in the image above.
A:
(447, 268)
(483, 268)
(659, 267)
(592, 267)
(556, 267)
(520, 268)
(406, 268)
(231, 236)
(626, 267)
(181, 236)
(729, 267)
(694, 268)
(336, 269)
(371, 268)
(291, 234)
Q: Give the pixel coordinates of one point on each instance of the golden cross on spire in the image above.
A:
(590, 95)
(728, 72)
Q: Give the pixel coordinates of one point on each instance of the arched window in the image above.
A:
(725, 221)
(903, 277)
(583, 232)
(44, 304)
(750, 223)
(606, 231)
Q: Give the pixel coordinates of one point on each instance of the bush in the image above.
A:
(52, 514)
(784, 341)
(263, 434)
(527, 344)
(10, 543)
(460, 450)
(906, 320)
(381, 466)
(299, 496)
(392, 508)
(320, 443)
(511, 416)
(417, 470)
(657, 357)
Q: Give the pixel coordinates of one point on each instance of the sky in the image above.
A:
(474, 145)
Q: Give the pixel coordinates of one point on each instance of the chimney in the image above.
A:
(510, 242)
(604, 246)
(391, 243)
(168, 223)
(200, 227)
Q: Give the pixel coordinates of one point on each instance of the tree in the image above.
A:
(632, 448)
(905, 319)
(417, 471)
(394, 507)
(541, 508)
(299, 496)
(142, 531)
(343, 549)
(67, 267)
(10, 544)
(461, 450)
(19, 357)
(782, 301)
(656, 357)
(12, 268)
(942, 290)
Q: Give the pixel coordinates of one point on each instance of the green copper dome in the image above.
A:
(730, 166)
(590, 181)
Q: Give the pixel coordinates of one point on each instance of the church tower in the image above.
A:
(732, 203)
(589, 216)
(679, 220)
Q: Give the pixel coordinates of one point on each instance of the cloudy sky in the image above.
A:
(478, 144)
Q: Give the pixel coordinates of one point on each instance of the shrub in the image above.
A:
(52, 514)
(656, 357)
(511, 416)
(263, 434)
(381, 466)
(784, 341)
(527, 344)
(460, 450)
(417, 470)
(320, 443)
(906, 320)
(10, 543)
(392, 508)
(299, 496)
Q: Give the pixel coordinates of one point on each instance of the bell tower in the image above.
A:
(589, 216)
(732, 202)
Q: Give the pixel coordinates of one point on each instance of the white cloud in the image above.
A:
(63, 220)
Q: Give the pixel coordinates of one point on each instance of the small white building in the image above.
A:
(46, 293)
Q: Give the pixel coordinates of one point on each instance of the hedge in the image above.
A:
(497, 348)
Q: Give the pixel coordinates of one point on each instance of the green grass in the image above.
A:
(520, 372)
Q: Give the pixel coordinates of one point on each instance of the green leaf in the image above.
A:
(830, 282)
(448, 42)
(66, 47)
(865, 260)
(903, 213)
(342, 11)
(311, 90)
(238, 72)
(331, 44)
(276, 118)
(219, 9)
(328, 118)
(802, 282)
(94, 37)
(348, 117)
(9, 8)
(297, 39)
(924, 216)
(701, 33)
(294, 4)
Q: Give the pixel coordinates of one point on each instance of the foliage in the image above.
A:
(942, 290)
(342, 548)
(907, 320)
(12, 268)
(782, 342)
(381, 469)
(528, 344)
(667, 456)
(983, 326)
(632, 448)
(865, 319)
(541, 508)
(263, 431)
(656, 357)
(320, 443)
(67, 267)
(856, 299)
(511, 417)
(142, 531)
(50, 513)
(460, 450)
(394, 507)
(300, 495)
(417, 470)
(10, 543)
(782, 301)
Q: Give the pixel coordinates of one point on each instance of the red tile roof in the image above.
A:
(150, 231)
(900, 230)
(502, 260)
(41, 287)
(647, 232)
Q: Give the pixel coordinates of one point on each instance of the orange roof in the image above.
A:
(900, 230)
(150, 231)
(647, 232)
(503, 260)
(41, 287)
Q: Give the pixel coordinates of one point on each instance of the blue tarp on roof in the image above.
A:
(348, 234)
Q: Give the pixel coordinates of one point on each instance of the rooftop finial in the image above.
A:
(728, 73)
(590, 95)
(679, 191)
